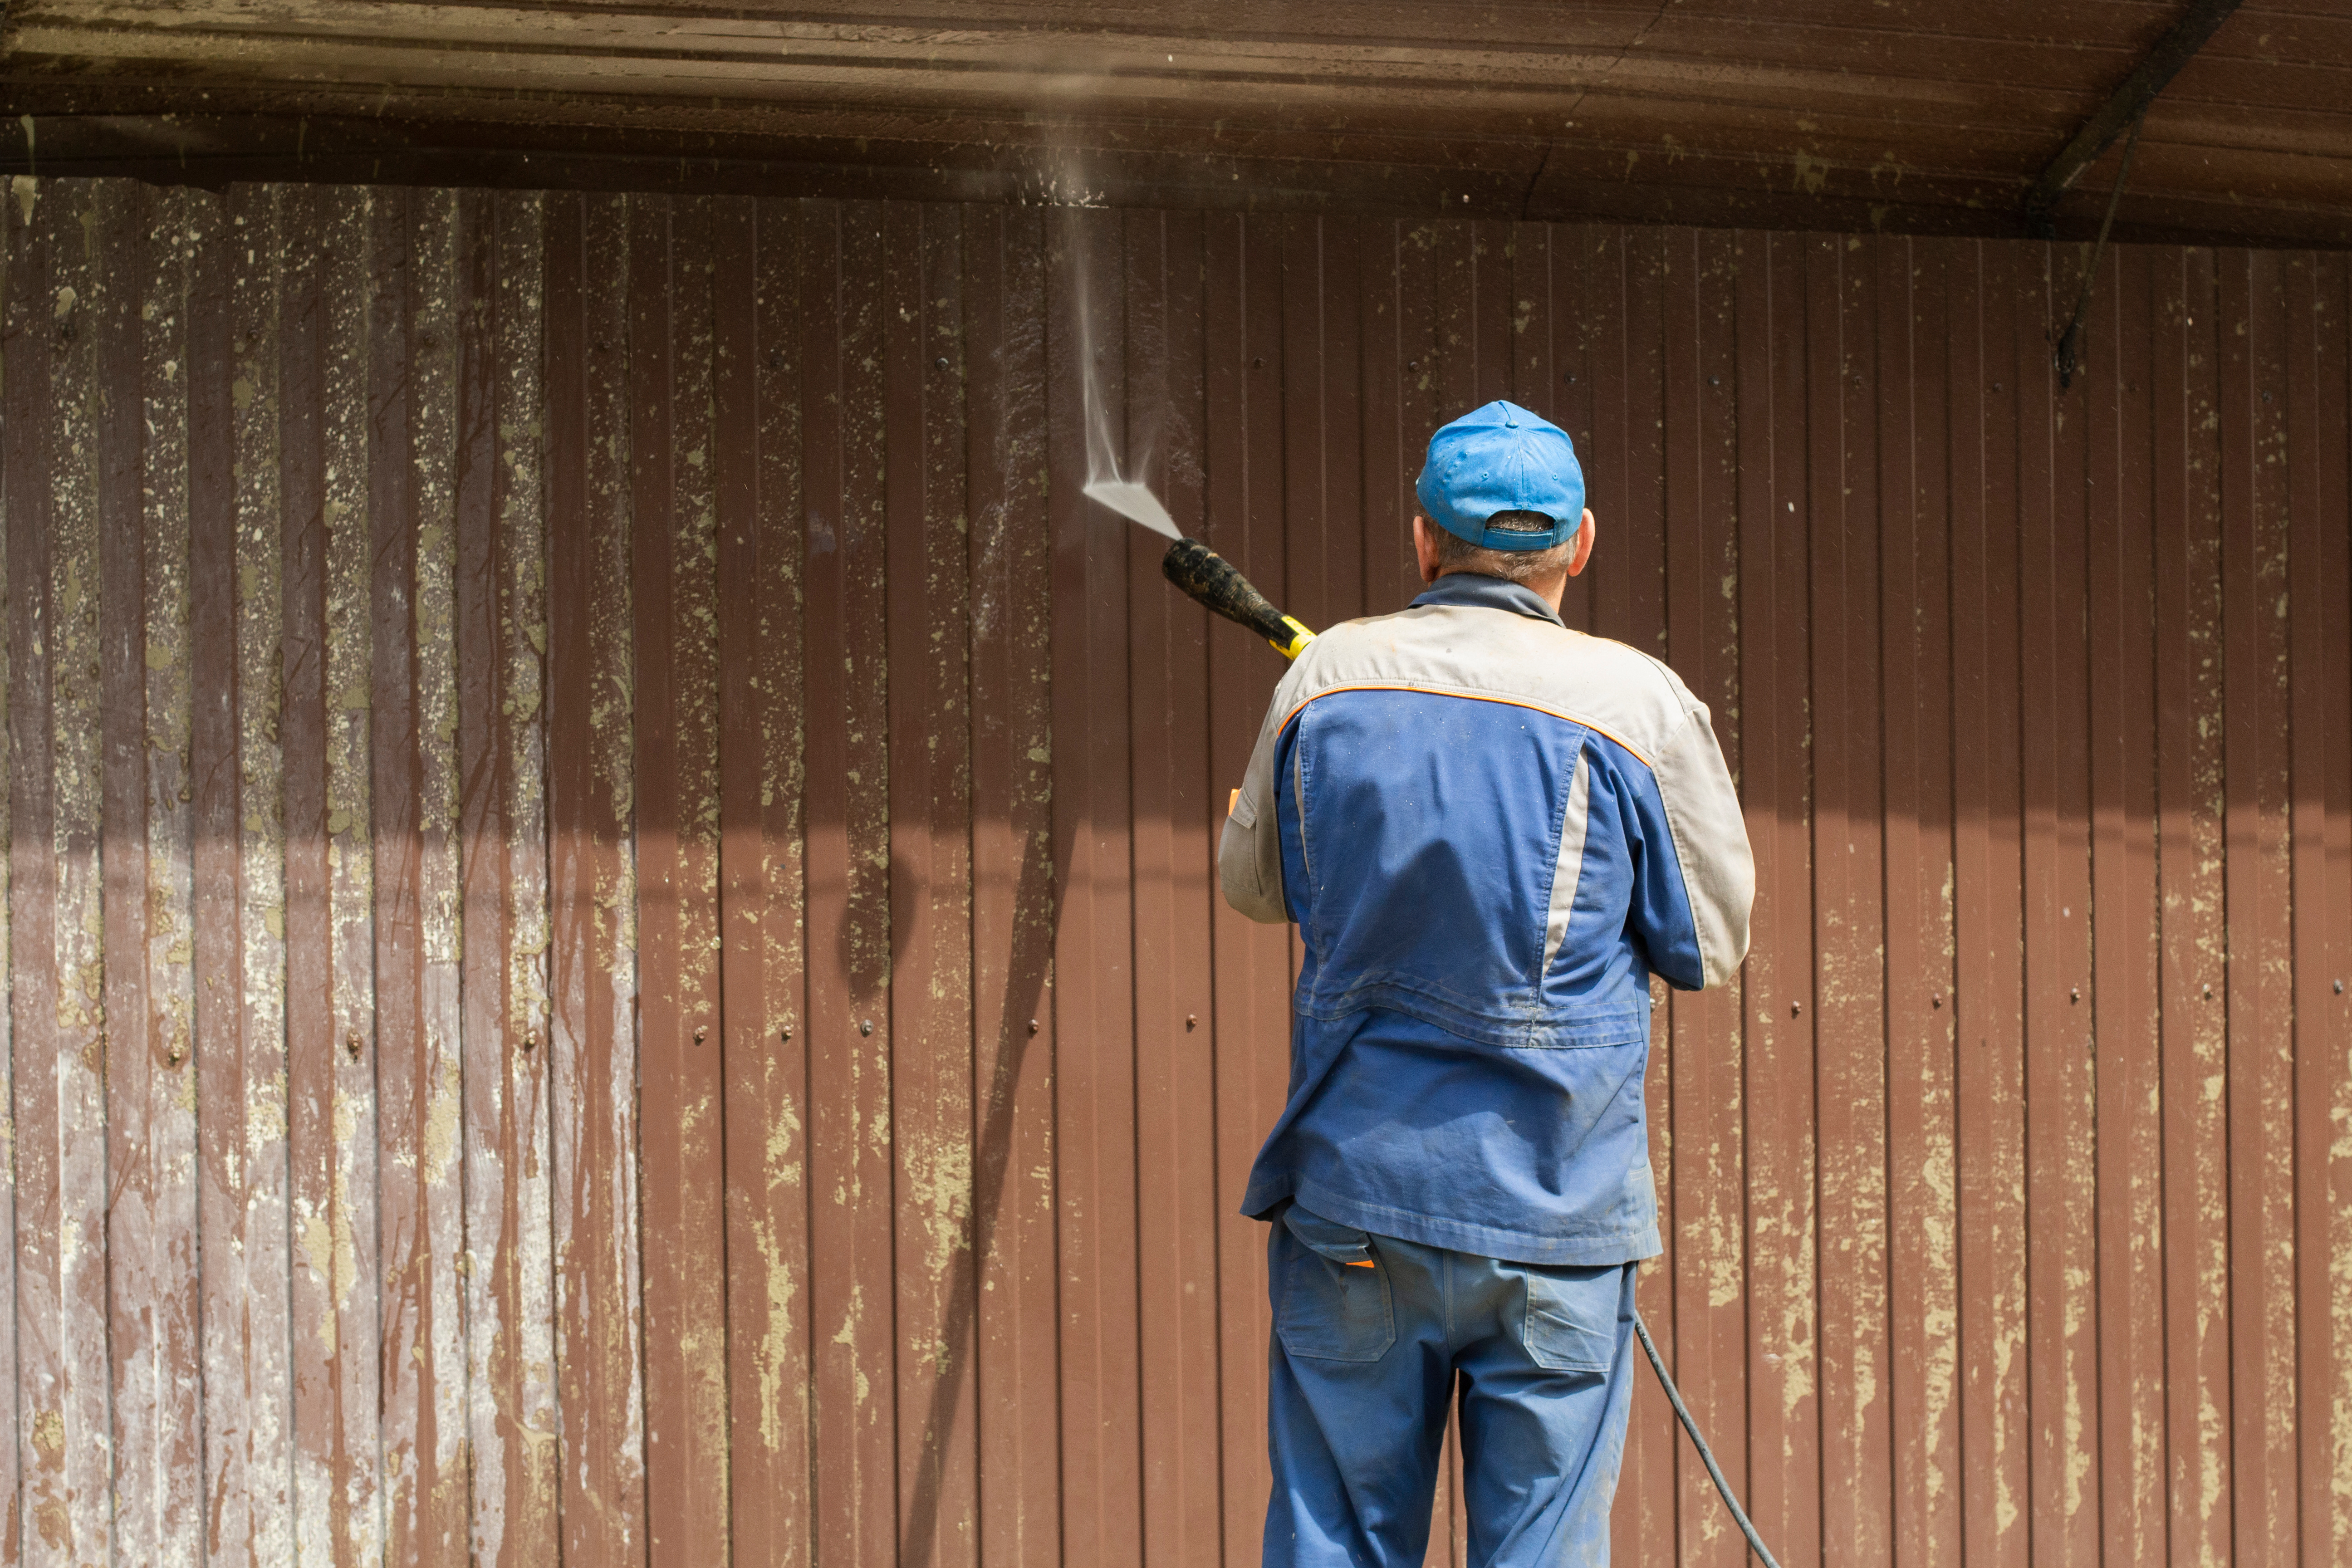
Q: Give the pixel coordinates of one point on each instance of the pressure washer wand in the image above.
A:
(1207, 577)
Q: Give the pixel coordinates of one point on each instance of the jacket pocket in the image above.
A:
(1571, 1317)
(1331, 1298)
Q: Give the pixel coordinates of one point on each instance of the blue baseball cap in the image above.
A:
(1501, 458)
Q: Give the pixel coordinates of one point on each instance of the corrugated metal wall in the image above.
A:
(610, 945)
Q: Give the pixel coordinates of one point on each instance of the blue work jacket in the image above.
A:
(1491, 831)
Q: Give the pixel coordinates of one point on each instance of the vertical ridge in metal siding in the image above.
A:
(680, 1082)
(231, 1475)
(2190, 857)
(591, 892)
(1092, 1023)
(18, 452)
(848, 870)
(926, 625)
(254, 1111)
(500, 635)
(2313, 393)
(439, 301)
(157, 1276)
(1915, 339)
(60, 1146)
(1700, 1199)
(1783, 1364)
(2126, 948)
(2322, 892)
(2257, 893)
(1014, 871)
(1987, 720)
(1177, 1212)
(1242, 520)
(138, 1292)
(330, 1103)
(1848, 704)
(2061, 1096)
(757, 471)
(417, 1050)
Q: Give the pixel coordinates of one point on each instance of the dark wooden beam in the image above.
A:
(2151, 76)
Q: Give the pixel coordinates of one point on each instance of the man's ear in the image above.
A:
(1584, 538)
(1424, 548)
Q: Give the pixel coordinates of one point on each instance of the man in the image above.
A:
(1491, 831)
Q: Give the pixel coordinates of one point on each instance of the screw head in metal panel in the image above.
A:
(1257, 361)
(1191, 1019)
(1796, 1009)
(941, 362)
(2339, 988)
(1033, 1026)
(865, 1025)
(351, 1044)
(531, 1040)
(700, 1034)
(786, 1037)
(1936, 1000)
(2074, 994)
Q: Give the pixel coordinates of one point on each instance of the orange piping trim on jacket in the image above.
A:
(1469, 697)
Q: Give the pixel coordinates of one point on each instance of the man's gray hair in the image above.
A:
(1455, 553)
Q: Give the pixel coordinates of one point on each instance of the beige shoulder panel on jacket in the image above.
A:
(1486, 655)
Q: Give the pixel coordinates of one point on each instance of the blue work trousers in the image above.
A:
(1364, 1364)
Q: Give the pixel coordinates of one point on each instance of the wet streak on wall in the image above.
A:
(611, 944)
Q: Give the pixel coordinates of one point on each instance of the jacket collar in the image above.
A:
(1488, 593)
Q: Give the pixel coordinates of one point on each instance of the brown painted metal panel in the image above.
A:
(1706, 1254)
(1242, 522)
(758, 506)
(323, 446)
(154, 1278)
(59, 1037)
(2189, 858)
(927, 624)
(674, 634)
(1092, 1027)
(2127, 936)
(1848, 708)
(1783, 1361)
(447, 553)
(2323, 880)
(1991, 1085)
(2052, 774)
(1014, 854)
(592, 889)
(1922, 1154)
(1178, 1207)
(2257, 893)
(500, 635)
(2315, 393)
(847, 719)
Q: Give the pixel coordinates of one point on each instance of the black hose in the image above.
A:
(1682, 1412)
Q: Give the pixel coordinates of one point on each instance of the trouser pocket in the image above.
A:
(1331, 1298)
(1571, 1317)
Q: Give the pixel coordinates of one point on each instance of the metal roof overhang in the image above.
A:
(1839, 114)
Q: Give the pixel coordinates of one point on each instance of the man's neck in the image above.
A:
(1551, 588)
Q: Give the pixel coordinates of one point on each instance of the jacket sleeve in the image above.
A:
(1249, 853)
(1698, 907)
